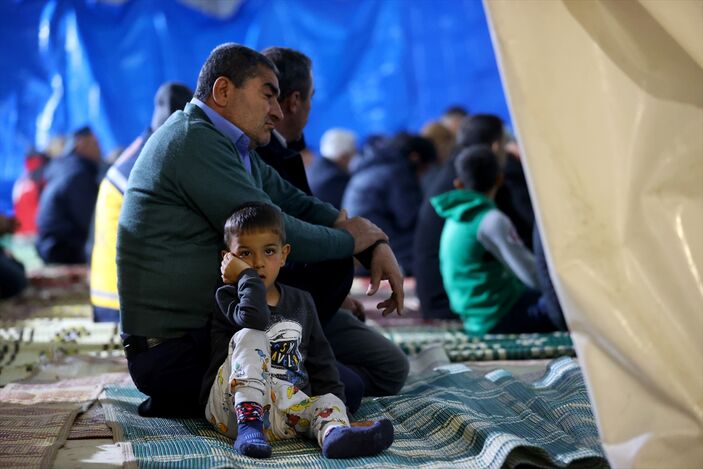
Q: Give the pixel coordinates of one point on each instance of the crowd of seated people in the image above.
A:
(390, 179)
(395, 192)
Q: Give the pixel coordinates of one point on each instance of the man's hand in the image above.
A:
(231, 266)
(355, 306)
(362, 230)
(384, 266)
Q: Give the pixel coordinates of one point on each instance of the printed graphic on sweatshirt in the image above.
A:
(286, 359)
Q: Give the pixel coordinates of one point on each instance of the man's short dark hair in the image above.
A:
(252, 217)
(456, 110)
(234, 61)
(480, 129)
(404, 144)
(294, 69)
(477, 168)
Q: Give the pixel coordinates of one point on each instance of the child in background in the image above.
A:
(279, 379)
(489, 275)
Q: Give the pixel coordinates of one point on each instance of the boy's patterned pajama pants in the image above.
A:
(288, 412)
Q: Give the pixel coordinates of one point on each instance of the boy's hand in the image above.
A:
(231, 266)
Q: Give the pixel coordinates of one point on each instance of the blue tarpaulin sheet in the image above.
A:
(379, 65)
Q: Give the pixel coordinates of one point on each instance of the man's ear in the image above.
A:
(293, 102)
(221, 91)
(458, 184)
(285, 250)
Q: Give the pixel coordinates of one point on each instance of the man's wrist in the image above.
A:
(376, 244)
(365, 256)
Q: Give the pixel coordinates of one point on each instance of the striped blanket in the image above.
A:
(451, 417)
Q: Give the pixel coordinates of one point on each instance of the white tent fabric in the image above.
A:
(607, 99)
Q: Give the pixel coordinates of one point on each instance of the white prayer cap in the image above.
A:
(337, 142)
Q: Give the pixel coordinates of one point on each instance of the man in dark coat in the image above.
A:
(68, 200)
(369, 364)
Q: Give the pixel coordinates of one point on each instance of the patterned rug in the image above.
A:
(36, 418)
(53, 291)
(27, 346)
(451, 417)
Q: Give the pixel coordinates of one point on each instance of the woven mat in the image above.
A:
(36, 418)
(27, 346)
(452, 417)
(90, 425)
(462, 347)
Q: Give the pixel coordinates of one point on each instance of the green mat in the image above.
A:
(452, 417)
(462, 347)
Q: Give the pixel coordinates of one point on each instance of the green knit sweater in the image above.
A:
(480, 288)
(186, 182)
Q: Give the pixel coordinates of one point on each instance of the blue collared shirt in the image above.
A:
(231, 131)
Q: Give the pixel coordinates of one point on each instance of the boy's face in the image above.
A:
(263, 251)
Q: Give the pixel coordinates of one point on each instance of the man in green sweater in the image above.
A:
(194, 171)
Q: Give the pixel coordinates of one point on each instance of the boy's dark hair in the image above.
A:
(294, 70)
(477, 168)
(254, 216)
(234, 61)
(478, 129)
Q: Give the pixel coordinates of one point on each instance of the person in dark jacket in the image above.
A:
(386, 189)
(68, 200)
(12, 276)
(329, 174)
(368, 363)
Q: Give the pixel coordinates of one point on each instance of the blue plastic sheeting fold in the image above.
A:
(379, 65)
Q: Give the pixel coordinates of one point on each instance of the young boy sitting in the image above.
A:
(279, 379)
(489, 275)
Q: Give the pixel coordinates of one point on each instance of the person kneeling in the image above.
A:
(279, 379)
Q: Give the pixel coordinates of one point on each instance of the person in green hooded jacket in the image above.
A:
(488, 273)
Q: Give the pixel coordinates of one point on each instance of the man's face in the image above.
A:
(263, 251)
(254, 107)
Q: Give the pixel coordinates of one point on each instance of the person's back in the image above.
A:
(328, 181)
(329, 174)
(386, 190)
(169, 98)
(434, 304)
(488, 274)
(67, 202)
(480, 289)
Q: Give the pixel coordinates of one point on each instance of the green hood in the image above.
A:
(461, 204)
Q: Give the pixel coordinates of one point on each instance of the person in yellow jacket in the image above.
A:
(169, 98)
